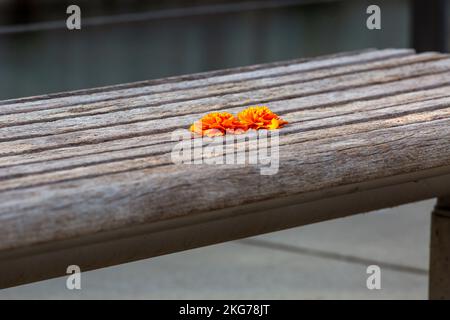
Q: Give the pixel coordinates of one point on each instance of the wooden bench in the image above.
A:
(87, 176)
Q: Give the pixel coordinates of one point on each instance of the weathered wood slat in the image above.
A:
(146, 128)
(93, 163)
(310, 119)
(45, 123)
(158, 155)
(210, 90)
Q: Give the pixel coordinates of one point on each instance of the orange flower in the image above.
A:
(217, 124)
(260, 117)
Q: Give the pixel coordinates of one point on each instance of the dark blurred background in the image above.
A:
(129, 40)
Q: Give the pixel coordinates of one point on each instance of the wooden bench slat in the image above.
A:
(137, 103)
(240, 74)
(433, 102)
(92, 137)
(148, 107)
(157, 156)
(308, 119)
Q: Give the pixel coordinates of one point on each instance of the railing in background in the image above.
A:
(172, 13)
(430, 28)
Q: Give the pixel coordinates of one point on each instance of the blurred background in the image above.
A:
(130, 40)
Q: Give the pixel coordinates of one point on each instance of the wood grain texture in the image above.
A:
(73, 165)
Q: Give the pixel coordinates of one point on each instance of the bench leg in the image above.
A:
(439, 277)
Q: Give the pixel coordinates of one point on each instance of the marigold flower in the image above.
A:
(217, 124)
(260, 117)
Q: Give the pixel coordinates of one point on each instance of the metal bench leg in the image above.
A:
(439, 280)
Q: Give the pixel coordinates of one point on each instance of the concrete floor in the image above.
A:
(322, 261)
